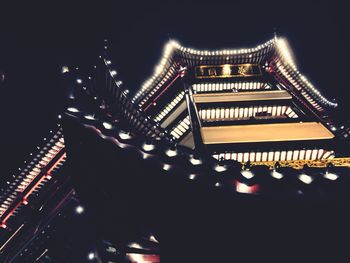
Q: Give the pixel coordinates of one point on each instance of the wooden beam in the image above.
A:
(265, 133)
(242, 96)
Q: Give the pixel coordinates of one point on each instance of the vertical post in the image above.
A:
(194, 120)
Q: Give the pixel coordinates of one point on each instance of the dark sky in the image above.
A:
(37, 40)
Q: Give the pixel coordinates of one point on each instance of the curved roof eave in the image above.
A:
(288, 69)
(173, 48)
(165, 69)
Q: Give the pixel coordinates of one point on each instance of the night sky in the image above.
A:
(37, 40)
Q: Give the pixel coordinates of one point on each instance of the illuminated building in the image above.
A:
(215, 151)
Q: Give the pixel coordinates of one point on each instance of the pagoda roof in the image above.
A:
(275, 53)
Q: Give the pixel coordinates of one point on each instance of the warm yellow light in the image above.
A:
(226, 70)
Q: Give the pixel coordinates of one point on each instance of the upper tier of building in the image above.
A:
(273, 57)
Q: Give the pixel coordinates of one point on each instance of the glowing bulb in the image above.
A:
(153, 238)
(79, 209)
(247, 174)
(158, 69)
(195, 161)
(107, 125)
(166, 167)
(79, 81)
(331, 176)
(134, 245)
(64, 69)
(171, 153)
(192, 176)
(306, 179)
(243, 188)
(124, 135)
(72, 109)
(91, 256)
(220, 168)
(276, 175)
(148, 147)
(89, 117)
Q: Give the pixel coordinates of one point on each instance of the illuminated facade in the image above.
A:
(210, 140)
(236, 93)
